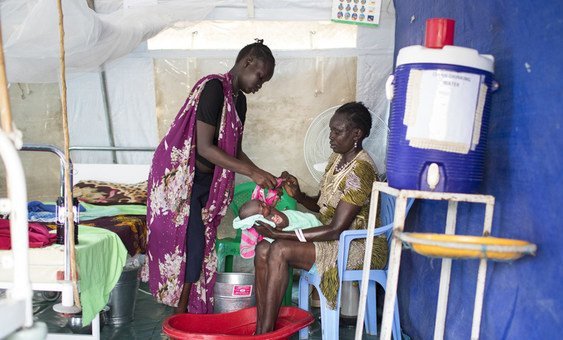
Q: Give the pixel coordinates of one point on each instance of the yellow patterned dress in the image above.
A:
(352, 185)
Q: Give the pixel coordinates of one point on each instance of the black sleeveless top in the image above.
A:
(210, 108)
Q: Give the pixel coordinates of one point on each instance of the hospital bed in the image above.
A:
(99, 254)
(131, 228)
(114, 196)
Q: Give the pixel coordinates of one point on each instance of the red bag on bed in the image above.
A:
(39, 235)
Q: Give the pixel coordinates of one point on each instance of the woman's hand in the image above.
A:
(291, 185)
(265, 229)
(263, 178)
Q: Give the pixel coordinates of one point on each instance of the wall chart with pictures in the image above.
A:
(361, 12)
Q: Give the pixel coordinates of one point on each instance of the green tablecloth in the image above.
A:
(100, 257)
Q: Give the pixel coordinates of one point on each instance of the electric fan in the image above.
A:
(317, 147)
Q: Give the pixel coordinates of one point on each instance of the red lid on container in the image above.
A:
(439, 32)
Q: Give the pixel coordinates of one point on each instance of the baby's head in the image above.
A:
(253, 207)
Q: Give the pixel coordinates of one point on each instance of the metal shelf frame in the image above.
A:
(395, 257)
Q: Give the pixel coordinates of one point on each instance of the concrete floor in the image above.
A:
(148, 317)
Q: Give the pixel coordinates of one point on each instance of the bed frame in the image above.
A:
(64, 286)
(16, 309)
(118, 173)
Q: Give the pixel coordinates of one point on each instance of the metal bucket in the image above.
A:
(75, 322)
(233, 291)
(122, 297)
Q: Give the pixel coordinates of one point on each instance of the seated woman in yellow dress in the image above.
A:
(342, 204)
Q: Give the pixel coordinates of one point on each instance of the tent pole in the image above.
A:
(107, 109)
(69, 232)
(5, 113)
(104, 85)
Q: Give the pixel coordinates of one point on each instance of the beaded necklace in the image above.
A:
(339, 168)
(332, 181)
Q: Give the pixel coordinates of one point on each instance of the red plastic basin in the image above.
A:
(240, 324)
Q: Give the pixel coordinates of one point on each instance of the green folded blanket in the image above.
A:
(94, 211)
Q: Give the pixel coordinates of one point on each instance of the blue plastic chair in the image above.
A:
(330, 318)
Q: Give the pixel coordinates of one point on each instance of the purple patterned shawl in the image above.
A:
(168, 205)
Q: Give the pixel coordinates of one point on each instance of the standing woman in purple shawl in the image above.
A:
(192, 179)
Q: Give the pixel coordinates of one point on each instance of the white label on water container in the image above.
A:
(442, 110)
(242, 290)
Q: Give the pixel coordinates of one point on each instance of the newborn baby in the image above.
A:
(256, 210)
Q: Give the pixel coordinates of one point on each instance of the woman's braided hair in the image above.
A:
(358, 115)
(257, 50)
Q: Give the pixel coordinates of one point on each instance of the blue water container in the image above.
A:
(440, 106)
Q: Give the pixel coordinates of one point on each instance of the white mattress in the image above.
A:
(44, 263)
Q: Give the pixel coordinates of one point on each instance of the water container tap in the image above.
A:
(433, 176)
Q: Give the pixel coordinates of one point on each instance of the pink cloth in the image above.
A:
(271, 198)
(249, 238)
(39, 235)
